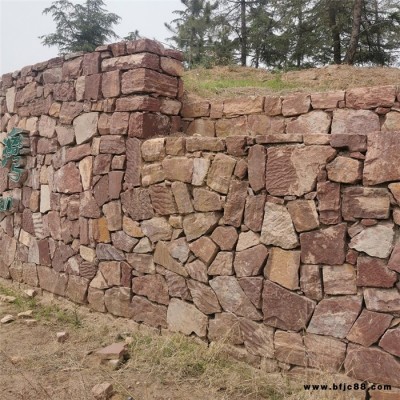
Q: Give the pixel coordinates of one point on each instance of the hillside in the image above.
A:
(224, 82)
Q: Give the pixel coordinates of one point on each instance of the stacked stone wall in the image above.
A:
(284, 244)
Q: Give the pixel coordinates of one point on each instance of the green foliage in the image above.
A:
(133, 35)
(79, 27)
(285, 34)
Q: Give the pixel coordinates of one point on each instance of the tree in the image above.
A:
(192, 30)
(355, 32)
(133, 35)
(79, 27)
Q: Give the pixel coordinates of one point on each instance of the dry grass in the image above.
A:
(225, 82)
(34, 366)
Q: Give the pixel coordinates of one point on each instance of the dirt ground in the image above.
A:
(34, 366)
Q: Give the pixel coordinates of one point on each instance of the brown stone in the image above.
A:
(328, 195)
(283, 267)
(353, 142)
(252, 287)
(231, 127)
(198, 224)
(156, 229)
(373, 272)
(170, 107)
(145, 125)
(354, 121)
(335, 316)
(204, 248)
(339, 279)
(251, 261)
(392, 122)
(382, 162)
(327, 99)
(345, 170)
(186, 318)
(284, 309)
(164, 258)
(225, 237)
(232, 298)
(108, 252)
(332, 240)
(198, 143)
(376, 241)
(391, 341)
(151, 314)
(175, 146)
(325, 353)
(197, 270)
(256, 167)
(137, 103)
(195, 109)
(203, 297)
(293, 170)
(146, 45)
(52, 281)
(382, 300)
(273, 105)
(222, 264)
(202, 127)
(372, 365)
(182, 197)
(77, 289)
(153, 149)
(178, 169)
(133, 161)
(220, 173)
(153, 287)
(313, 122)
(92, 87)
(67, 179)
(236, 145)
(70, 110)
(206, 200)
(118, 301)
(371, 97)
(265, 125)
(394, 261)
(254, 212)
(144, 80)
(369, 327)
(110, 84)
(246, 240)
(91, 63)
(100, 191)
(295, 104)
(289, 348)
(137, 204)
(235, 202)
(304, 215)
(257, 337)
(277, 228)
(243, 105)
(225, 327)
(162, 200)
(64, 91)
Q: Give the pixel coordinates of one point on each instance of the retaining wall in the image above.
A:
(282, 240)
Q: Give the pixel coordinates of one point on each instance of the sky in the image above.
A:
(21, 22)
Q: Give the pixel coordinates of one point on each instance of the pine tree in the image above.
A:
(79, 27)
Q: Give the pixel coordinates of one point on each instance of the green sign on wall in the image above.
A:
(15, 145)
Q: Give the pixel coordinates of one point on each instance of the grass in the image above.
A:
(231, 81)
(51, 313)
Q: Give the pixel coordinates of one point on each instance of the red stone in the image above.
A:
(328, 195)
(332, 240)
(256, 167)
(369, 327)
(91, 63)
(373, 272)
(93, 87)
(143, 80)
(284, 309)
(146, 125)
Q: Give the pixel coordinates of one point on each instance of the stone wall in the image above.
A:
(357, 110)
(285, 245)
